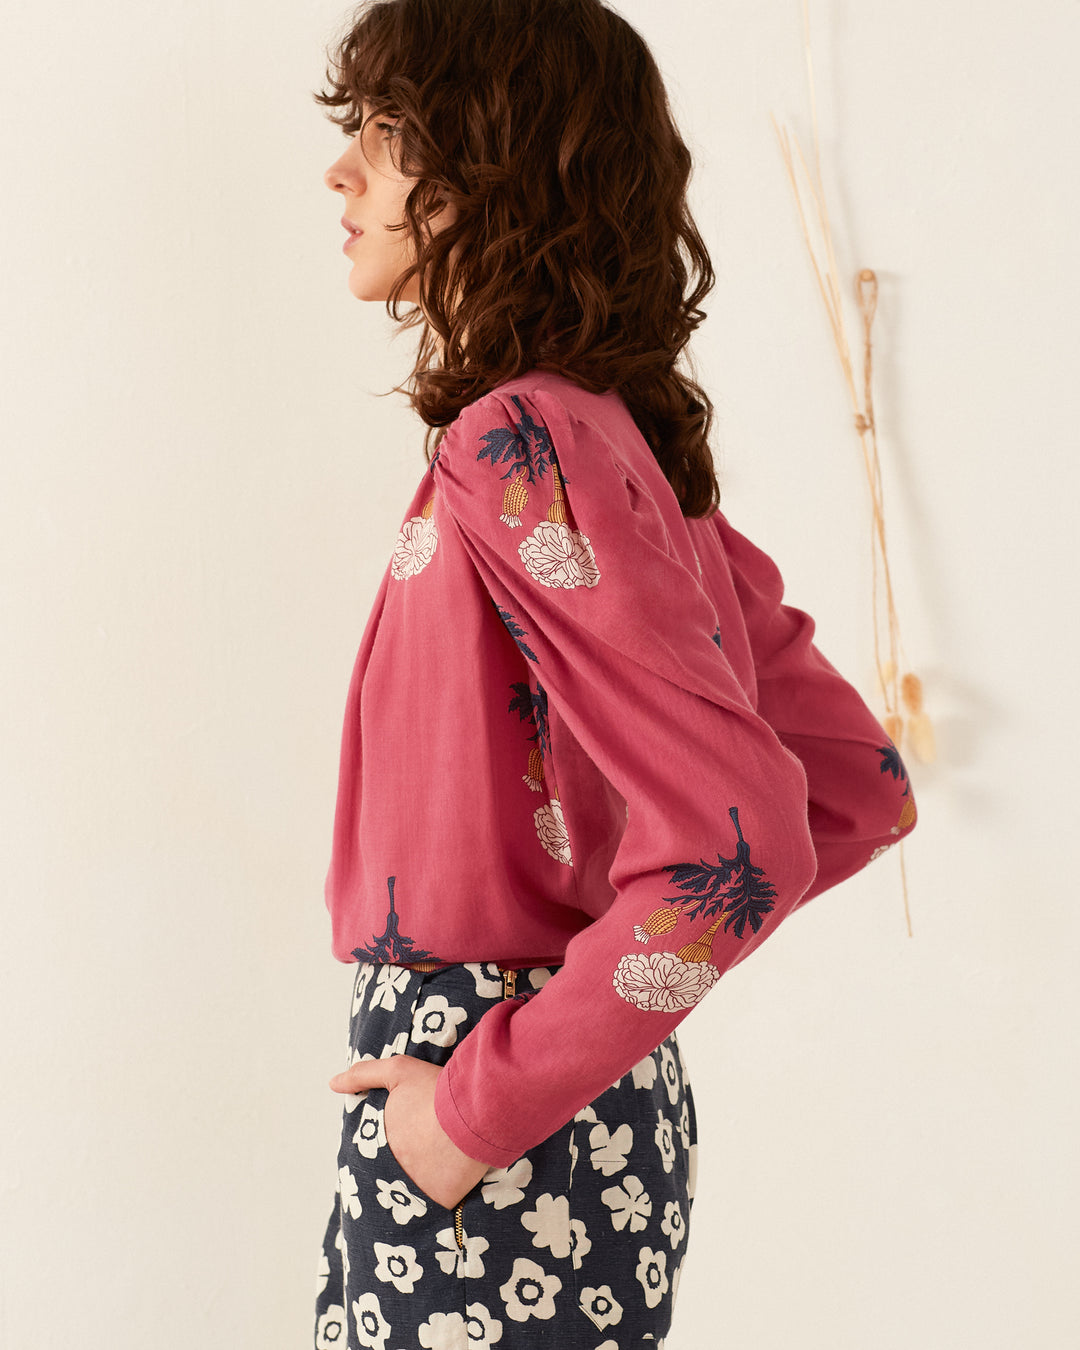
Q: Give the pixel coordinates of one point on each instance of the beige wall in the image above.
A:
(199, 494)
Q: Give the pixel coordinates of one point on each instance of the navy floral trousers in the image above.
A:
(577, 1245)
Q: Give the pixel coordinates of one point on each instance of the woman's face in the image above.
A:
(374, 191)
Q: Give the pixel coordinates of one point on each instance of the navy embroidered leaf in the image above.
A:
(716, 638)
(391, 945)
(528, 446)
(515, 630)
(533, 707)
(748, 899)
(892, 763)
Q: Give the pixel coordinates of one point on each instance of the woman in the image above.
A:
(590, 759)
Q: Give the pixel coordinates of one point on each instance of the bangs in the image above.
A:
(385, 61)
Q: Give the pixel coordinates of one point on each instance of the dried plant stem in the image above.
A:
(866, 291)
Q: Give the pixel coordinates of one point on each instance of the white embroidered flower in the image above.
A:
(530, 1291)
(660, 982)
(436, 1021)
(399, 1200)
(364, 972)
(350, 1196)
(372, 1328)
(483, 1330)
(486, 977)
(506, 1185)
(882, 848)
(550, 1222)
(330, 1331)
(601, 1307)
(551, 831)
(664, 1134)
(672, 1223)
(444, 1331)
(629, 1203)
(389, 982)
(415, 547)
(580, 1242)
(644, 1072)
(652, 1275)
(397, 1266)
(609, 1150)
(684, 1124)
(467, 1263)
(669, 1073)
(556, 555)
(369, 1136)
(691, 1170)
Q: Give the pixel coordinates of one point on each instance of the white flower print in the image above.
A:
(644, 1072)
(415, 547)
(550, 1222)
(506, 1185)
(691, 1170)
(350, 1196)
(389, 982)
(444, 1331)
(397, 1266)
(540, 976)
(881, 848)
(331, 1333)
(672, 1223)
(436, 1021)
(612, 1345)
(669, 1073)
(652, 1275)
(609, 1150)
(469, 1264)
(343, 1248)
(322, 1274)
(586, 1113)
(372, 1328)
(660, 982)
(684, 1124)
(399, 1200)
(629, 1203)
(530, 1291)
(551, 831)
(369, 1136)
(364, 971)
(601, 1307)
(664, 1134)
(487, 979)
(580, 1242)
(556, 555)
(483, 1329)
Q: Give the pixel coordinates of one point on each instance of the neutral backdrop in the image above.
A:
(200, 491)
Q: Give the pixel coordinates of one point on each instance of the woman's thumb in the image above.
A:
(365, 1073)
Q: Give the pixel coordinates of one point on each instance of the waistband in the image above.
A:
(509, 974)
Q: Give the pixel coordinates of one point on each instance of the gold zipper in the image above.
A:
(509, 979)
(459, 1232)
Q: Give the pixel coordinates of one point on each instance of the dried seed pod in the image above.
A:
(557, 509)
(429, 507)
(701, 949)
(894, 728)
(922, 738)
(659, 921)
(514, 499)
(535, 775)
(907, 815)
(911, 692)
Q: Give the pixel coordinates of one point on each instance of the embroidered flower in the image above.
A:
(652, 1275)
(372, 1328)
(350, 1197)
(551, 830)
(415, 547)
(882, 848)
(664, 1134)
(330, 1331)
(468, 1263)
(530, 1291)
(609, 1150)
(436, 1021)
(550, 1222)
(629, 1203)
(482, 1329)
(399, 1200)
(660, 982)
(601, 1307)
(672, 1223)
(556, 555)
(506, 1185)
(369, 1136)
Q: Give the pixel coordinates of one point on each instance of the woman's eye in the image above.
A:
(388, 128)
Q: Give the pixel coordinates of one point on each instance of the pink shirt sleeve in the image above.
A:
(717, 848)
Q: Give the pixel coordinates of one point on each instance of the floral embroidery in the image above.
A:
(892, 763)
(390, 945)
(716, 638)
(555, 555)
(515, 630)
(533, 707)
(527, 446)
(551, 828)
(415, 545)
(661, 982)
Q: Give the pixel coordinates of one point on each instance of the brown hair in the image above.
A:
(546, 124)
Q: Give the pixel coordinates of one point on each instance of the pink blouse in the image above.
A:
(584, 731)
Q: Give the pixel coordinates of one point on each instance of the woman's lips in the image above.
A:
(353, 237)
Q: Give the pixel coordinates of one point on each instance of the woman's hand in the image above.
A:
(413, 1133)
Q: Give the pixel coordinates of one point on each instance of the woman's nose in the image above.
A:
(342, 176)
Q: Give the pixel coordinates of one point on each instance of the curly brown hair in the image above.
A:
(546, 124)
